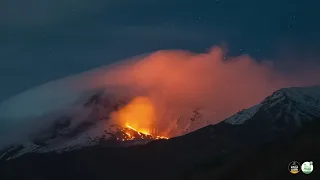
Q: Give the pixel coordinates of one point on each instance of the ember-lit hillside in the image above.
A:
(129, 133)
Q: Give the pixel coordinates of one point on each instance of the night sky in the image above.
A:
(43, 40)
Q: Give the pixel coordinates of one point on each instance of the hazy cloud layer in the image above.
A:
(181, 81)
(175, 81)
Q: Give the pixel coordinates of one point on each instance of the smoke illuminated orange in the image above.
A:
(139, 115)
(175, 83)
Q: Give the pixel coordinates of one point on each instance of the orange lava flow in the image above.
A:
(139, 120)
(139, 132)
(145, 133)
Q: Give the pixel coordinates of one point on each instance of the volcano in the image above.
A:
(66, 133)
(270, 135)
(128, 133)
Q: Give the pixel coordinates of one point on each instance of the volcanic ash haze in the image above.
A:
(138, 114)
(175, 83)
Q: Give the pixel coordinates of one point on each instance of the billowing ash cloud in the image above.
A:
(176, 82)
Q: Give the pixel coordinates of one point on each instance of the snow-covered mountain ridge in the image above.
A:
(296, 104)
(285, 108)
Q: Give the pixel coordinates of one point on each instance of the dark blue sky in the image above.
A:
(42, 40)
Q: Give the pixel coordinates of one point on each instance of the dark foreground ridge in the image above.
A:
(260, 148)
(195, 156)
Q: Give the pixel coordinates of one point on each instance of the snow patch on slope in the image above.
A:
(87, 138)
(295, 104)
(243, 115)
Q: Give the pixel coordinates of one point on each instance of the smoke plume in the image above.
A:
(179, 82)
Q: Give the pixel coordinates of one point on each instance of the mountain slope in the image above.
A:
(269, 161)
(292, 104)
(87, 125)
(220, 151)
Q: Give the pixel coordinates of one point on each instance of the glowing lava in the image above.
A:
(139, 120)
(139, 132)
(144, 133)
(139, 114)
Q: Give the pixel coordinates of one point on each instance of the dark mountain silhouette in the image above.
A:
(256, 143)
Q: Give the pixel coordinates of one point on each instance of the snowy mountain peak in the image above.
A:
(293, 105)
(305, 95)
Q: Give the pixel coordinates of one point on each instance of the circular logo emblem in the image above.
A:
(307, 167)
(294, 167)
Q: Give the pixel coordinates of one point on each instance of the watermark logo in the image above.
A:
(294, 167)
(307, 167)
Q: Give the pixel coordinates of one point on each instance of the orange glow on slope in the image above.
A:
(143, 133)
(139, 116)
(139, 132)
